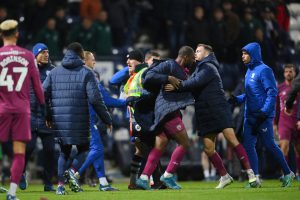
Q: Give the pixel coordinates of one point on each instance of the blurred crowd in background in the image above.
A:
(109, 28)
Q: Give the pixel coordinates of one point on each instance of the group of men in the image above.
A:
(68, 101)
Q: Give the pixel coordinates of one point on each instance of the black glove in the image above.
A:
(232, 100)
(131, 100)
(260, 119)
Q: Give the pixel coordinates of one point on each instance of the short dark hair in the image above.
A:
(186, 51)
(206, 47)
(289, 65)
(77, 48)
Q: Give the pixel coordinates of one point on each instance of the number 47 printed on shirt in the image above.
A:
(7, 80)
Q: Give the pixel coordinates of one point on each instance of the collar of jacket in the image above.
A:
(139, 67)
(42, 66)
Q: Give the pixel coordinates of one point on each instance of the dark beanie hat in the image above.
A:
(136, 55)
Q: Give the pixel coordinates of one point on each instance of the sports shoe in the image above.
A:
(170, 182)
(60, 190)
(23, 182)
(159, 186)
(143, 184)
(3, 190)
(224, 181)
(281, 178)
(73, 181)
(49, 188)
(287, 180)
(254, 184)
(11, 197)
(107, 188)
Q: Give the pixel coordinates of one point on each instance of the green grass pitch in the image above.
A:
(271, 190)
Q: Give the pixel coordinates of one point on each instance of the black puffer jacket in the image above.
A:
(68, 89)
(211, 108)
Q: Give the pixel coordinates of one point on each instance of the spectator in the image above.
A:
(248, 27)
(36, 16)
(85, 33)
(198, 28)
(104, 37)
(3, 14)
(177, 14)
(218, 34)
(118, 15)
(90, 9)
(50, 36)
(232, 26)
(62, 26)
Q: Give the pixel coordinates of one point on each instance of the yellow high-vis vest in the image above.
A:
(133, 87)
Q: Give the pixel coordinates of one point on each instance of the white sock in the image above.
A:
(167, 174)
(250, 174)
(151, 180)
(144, 177)
(213, 172)
(206, 173)
(77, 175)
(226, 176)
(103, 181)
(12, 189)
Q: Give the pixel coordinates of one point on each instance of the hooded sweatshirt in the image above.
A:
(260, 85)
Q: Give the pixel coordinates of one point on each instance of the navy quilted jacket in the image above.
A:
(68, 89)
(37, 115)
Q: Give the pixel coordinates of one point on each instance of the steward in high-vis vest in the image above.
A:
(134, 90)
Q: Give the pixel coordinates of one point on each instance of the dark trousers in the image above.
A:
(70, 159)
(48, 154)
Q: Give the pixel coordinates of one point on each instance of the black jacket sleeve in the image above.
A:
(157, 76)
(199, 79)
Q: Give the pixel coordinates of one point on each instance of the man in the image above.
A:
(260, 96)
(38, 125)
(213, 112)
(168, 118)
(287, 123)
(18, 70)
(96, 153)
(133, 91)
(68, 90)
